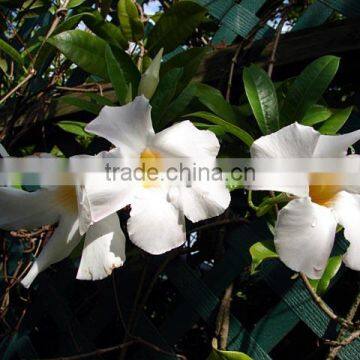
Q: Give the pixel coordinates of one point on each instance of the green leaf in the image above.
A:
(189, 60)
(178, 106)
(228, 355)
(316, 114)
(99, 99)
(339, 117)
(116, 75)
(213, 99)
(82, 104)
(129, 19)
(75, 3)
(73, 127)
(163, 96)
(84, 49)
(218, 130)
(175, 26)
(331, 270)
(230, 128)
(307, 88)
(262, 97)
(9, 50)
(131, 73)
(261, 251)
(106, 30)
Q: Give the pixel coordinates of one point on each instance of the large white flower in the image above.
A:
(157, 222)
(104, 247)
(306, 226)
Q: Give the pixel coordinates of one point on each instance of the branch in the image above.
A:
(323, 306)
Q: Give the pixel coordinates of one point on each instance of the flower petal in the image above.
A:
(104, 249)
(185, 140)
(127, 127)
(155, 225)
(29, 210)
(202, 200)
(335, 145)
(62, 242)
(293, 141)
(104, 192)
(347, 209)
(304, 236)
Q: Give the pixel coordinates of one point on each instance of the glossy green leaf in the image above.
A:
(331, 270)
(104, 29)
(99, 99)
(214, 100)
(230, 128)
(9, 50)
(84, 49)
(261, 251)
(175, 26)
(316, 114)
(336, 121)
(218, 130)
(307, 88)
(262, 97)
(228, 355)
(129, 19)
(116, 75)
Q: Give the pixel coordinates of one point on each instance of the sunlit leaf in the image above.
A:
(261, 251)
(129, 19)
(262, 97)
(228, 355)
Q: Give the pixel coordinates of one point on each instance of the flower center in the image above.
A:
(151, 164)
(323, 188)
(66, 196)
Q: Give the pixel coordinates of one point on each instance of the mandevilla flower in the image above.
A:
(306, 226)
(156, 222)
(104, 241)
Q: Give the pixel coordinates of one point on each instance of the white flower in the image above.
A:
(104, 247)
(156, 222)
(306, 226)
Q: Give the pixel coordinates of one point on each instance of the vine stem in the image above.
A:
(323, 306)
(19, 85)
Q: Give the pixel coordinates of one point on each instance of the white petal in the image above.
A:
(127, 127)
(29, 210)
(202, 200)
(335, 145)
(304, 236)
(347, 208)
(155, 225)
(64, 239)
(104, 249)
(185, 140)
(293, 141)
(101, 195)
